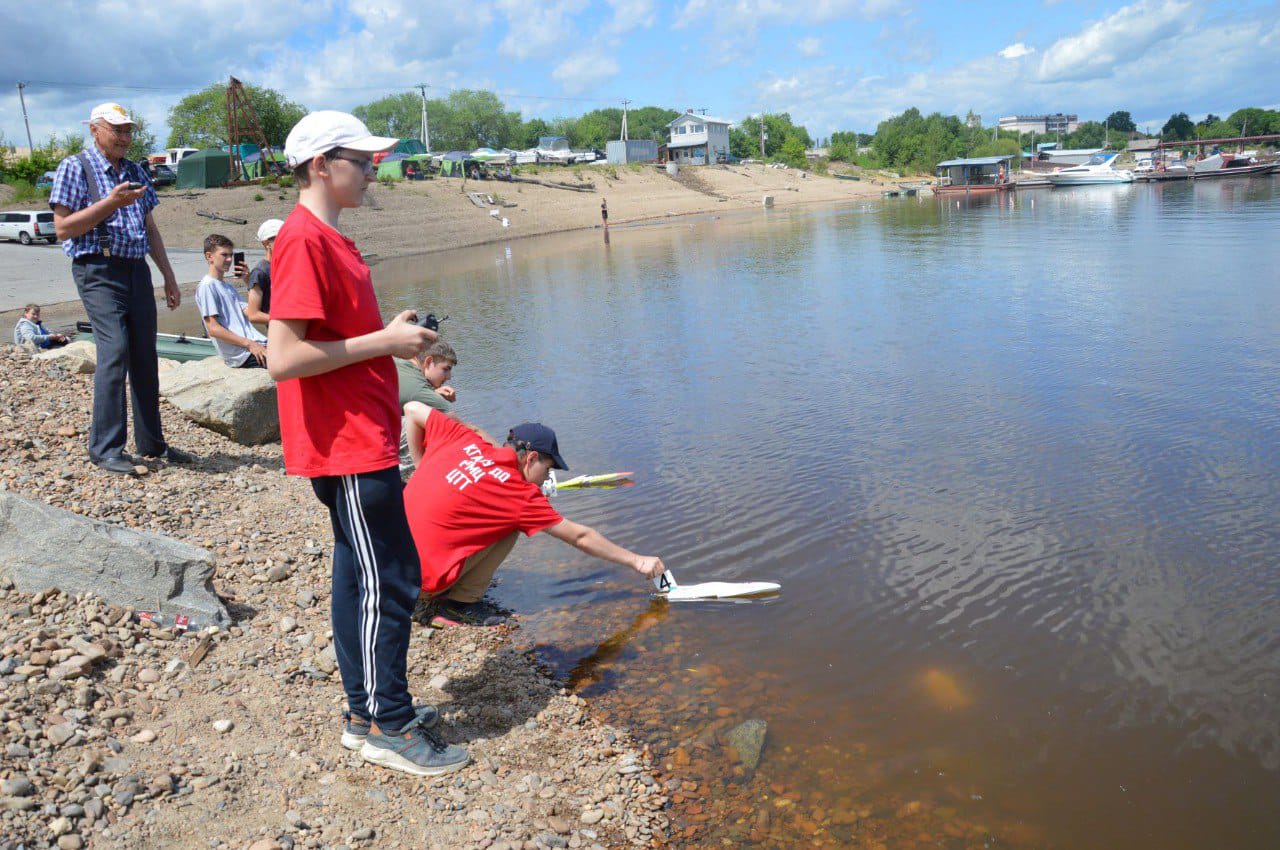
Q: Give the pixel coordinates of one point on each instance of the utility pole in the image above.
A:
(30, 147)
(625, 104)
(426, 130)
(703, 109)
(763, 135)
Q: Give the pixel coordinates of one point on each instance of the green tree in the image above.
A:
(70, 144)
(650, 122)
(792, 152)
(842, 146)
(530, 132)
(398, 115)
(597, 127)
(469, 119)
(200, 119)
(144, 141)
(1120, 120)
(1252, 121)
(744, 139)
(1178, 127)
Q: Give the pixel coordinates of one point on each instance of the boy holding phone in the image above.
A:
(241, 345)
(340, 424)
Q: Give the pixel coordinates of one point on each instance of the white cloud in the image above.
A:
(811, 46)
(1017, 50)
(585, 70)
(734, 23)
(630, 14)
(749, 12)
(321, 54)
(1234, 57)
(1117, 39)
(538, 29)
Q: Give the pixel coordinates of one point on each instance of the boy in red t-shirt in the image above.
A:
(340, 426)
(469, 499)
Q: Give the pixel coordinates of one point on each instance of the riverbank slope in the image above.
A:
(152, 749)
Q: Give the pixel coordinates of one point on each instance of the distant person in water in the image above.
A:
(470, 499)
(29, 329)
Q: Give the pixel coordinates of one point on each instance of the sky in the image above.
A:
(831, 64)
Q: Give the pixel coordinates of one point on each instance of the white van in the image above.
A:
(27, 226)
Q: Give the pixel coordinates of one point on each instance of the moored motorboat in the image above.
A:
(1099, 170)
(1243, 164)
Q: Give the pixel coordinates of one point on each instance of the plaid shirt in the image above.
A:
(126, 228)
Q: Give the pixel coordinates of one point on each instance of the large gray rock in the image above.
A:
(77, 358)
(747, 740)
(237, 403)
(43, 546)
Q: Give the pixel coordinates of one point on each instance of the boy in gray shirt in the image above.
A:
(222, 306)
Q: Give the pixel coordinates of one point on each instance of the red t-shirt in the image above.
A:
(345, 421)
(464, 496)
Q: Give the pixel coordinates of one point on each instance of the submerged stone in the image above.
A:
(747, 740)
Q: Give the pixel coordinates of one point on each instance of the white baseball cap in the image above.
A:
(112, 113)
(269, 228)
(321, 132)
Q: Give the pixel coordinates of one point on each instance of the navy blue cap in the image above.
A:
(539, 438)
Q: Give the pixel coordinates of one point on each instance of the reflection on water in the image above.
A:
(1013, 460)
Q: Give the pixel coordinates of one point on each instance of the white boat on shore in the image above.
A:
(1099, 170)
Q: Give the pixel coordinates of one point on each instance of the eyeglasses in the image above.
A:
(118, 130)
(367, 165)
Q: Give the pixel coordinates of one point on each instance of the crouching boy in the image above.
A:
(469, 499)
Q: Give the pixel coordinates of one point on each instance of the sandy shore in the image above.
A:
(146, 750)
(437, 215)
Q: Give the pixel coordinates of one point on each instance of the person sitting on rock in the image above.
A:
(30, 330)
(468, 500)
(241, 345)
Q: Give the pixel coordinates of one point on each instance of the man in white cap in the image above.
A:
(338, 395)
(102, 203)
(259, 294)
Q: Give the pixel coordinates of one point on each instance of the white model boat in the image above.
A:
(1100, 169)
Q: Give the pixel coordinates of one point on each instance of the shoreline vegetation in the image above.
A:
(151, 747)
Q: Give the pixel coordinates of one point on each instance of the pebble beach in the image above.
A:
(117, 732)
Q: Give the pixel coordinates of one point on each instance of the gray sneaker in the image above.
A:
(357, 728)
(413, 749)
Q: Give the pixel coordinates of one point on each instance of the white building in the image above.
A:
(1040, 124)
(698, 139)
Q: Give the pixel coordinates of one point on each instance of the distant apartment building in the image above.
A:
(1040, 124)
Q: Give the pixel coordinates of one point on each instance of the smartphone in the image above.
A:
(135, 186)
(237, 257)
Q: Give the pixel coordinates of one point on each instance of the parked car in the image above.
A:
(163, 175)
(45, 181)
(27, 226)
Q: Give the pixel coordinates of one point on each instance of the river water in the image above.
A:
(1014, 462)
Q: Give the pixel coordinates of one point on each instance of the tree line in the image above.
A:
(912, 142)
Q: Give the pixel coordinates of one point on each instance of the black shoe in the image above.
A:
(172, 455)
(117, 464)
(450, 612)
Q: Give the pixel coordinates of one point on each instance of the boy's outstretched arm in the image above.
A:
(295, 356)
(594, 543)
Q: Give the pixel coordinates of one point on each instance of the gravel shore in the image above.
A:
(114, 735)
